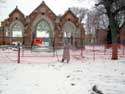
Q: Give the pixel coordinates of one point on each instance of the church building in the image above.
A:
(42, 23)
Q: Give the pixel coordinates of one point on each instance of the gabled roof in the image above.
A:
(16, 10)
(43, 4)
(70, 12)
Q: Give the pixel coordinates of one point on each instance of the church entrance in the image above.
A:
(43, 29)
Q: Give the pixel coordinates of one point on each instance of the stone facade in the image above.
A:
(57, 26)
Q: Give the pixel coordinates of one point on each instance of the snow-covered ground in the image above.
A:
(44, 74)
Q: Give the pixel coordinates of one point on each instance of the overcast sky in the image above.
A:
(27, 6)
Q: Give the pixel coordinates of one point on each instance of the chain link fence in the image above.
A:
(90, 49)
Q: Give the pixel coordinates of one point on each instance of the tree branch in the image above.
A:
(100, 3)
(120, 9)
(101, 11)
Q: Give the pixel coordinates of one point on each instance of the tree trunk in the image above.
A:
(114, 51)
(114, 30)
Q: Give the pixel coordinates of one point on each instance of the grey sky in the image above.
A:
(27, 6)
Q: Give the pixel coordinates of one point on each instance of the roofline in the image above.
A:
(17, 10)
(39, 6)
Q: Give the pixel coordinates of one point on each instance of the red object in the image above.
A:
(37, 41)
(18, 60)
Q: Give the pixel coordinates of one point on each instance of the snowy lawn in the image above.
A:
(76, 77)
(58, 78)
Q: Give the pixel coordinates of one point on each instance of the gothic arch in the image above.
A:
(69, 32)
(38, 18)
(69, 27)
(50, 26)
(11, 27)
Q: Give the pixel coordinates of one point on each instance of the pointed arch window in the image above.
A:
(69, 29)
(42, 29)
(17, 30)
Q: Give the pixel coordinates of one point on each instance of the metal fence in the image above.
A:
(91, 50)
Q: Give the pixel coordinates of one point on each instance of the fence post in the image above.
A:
(18, 57)
(93, 52)
(123, 49)
(22, 51)
(82, 51)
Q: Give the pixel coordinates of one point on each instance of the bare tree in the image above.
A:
(79, 12)
(94, 22)
(113, 11)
